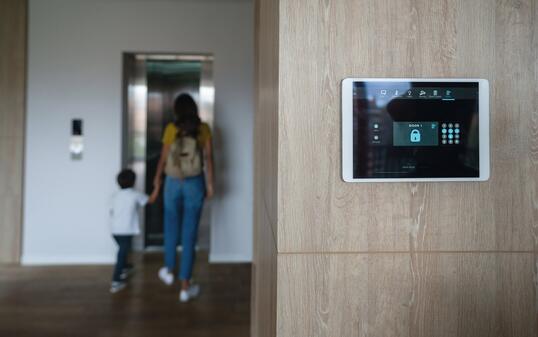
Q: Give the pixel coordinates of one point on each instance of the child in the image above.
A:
(125, 222)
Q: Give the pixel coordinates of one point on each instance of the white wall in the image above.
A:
(75, 71)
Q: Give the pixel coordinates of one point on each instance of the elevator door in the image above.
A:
(165, 80)
(153, 82)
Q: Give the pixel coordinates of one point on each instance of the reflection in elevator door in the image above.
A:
(152, 83)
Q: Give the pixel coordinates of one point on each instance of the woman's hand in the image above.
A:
(154, 195)
(209, 192)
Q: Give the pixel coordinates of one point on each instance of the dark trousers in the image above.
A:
(124, 244)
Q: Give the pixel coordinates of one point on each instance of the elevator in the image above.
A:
(151, 82)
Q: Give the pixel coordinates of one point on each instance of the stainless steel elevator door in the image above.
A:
(152, 84)
(165, 80)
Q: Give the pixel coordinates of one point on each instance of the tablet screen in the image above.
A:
(415, 130)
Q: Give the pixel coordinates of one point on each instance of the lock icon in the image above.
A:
(415, 136)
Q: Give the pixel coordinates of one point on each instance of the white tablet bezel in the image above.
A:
(347, 128)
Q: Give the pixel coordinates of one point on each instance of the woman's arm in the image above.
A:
(160, 166)
(208, 152)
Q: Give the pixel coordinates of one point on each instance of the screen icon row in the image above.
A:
(415, 92)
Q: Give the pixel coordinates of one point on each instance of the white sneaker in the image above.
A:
(192, 292)
(126, 273)
(116, 286)
(166, 276)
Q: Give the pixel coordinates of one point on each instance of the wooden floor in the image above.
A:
(75, 301)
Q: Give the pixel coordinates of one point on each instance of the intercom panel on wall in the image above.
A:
(411, 129)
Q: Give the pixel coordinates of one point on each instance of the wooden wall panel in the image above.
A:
(379, 295)
(402, 259)
(265, 170)
(532, 188)
(266, 116)
(12, 112)
(442, 38)
(264, 277)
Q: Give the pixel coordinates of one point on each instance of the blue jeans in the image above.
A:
(183, 201)
(124, 248)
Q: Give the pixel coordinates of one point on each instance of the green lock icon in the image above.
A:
(415, 136)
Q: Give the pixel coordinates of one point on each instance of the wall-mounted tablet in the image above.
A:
(411, 129)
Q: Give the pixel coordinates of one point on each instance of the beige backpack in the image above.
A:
(184, 159)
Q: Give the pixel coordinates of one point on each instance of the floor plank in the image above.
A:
(74, 301)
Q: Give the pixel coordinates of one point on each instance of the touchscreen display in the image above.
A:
(415, 130)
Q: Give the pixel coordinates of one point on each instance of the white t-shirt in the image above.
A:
(124, 206)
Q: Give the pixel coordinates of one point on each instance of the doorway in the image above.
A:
(151, 82)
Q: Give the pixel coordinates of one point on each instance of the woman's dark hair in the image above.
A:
(126, 178)
(186, 113)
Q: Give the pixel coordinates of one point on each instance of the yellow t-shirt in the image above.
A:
(170, 133)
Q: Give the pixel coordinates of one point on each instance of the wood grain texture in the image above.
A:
(68, 301)
(264, 277)
(441, 295)
(12, 112)
(532, 187)
(322, 42)
(266, 115)
(264, 274)
(405, 259)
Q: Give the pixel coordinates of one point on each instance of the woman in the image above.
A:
(186, 148)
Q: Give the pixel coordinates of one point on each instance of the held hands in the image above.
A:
(155, 193)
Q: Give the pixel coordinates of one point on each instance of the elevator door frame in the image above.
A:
(134, 91)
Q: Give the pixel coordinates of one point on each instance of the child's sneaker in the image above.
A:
(192, 292)
(166, 276)
(126, 273)
(116, 286)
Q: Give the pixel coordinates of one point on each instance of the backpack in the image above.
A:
(184, 159)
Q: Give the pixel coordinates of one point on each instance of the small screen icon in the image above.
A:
(415, 136)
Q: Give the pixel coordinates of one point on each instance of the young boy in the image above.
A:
(125, 223)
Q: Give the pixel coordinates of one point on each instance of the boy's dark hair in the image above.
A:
(126, 178)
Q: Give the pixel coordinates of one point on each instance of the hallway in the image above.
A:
(75, 301)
